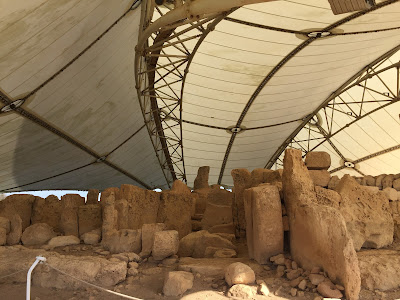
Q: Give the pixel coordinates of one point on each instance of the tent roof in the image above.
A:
(78, 121)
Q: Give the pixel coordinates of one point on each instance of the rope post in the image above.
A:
(39, 259)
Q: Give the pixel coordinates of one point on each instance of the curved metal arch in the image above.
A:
(329, 108)
(278, 67)
(150, 50)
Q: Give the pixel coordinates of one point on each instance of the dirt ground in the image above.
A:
(149, 282)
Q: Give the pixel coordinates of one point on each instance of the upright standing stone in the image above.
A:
(122, 208)
(241, 181)
(148, 231)
(143, 205)
(318, 233)
(69, 213)
(20, 204)
(89, 217)
(92, 196)
(367, 214)
(387, 181)
(109, 213)
(176, 212)
(201, 180)
(14, 237)
(47, 211)
(264, 226)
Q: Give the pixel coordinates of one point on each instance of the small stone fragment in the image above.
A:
(177, 282)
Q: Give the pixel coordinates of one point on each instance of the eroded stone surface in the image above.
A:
(148, 231)
(166, 243)
(47, 211)
(20, 204)
(318, 160)
(367, 215)
(320, 177)
(264, 226)
(14, 237)
(201, 180)
(216, 215)
(241, 181)
(239, 273)
(328, 243)
(177, 282)
(37, 234)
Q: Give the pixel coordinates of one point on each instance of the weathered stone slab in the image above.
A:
(176, 212)
(320, 177)
(318, 160)
(318, 234)
(124, 240)
(241, 182)
(89, 217)
(369, 180)
(143, 205)
(92, 196)
(216, 215)
(37, 234)
(328, 197)
(47, 211)
(148, 231)
(166, 243)
(14, 237)
(20, 204)
(333, 182)
(380, 269)
(387, 181)
(201, 180)
(390, 193)
(396, 184)
(69, 213)
(264, 226)
(367, 215)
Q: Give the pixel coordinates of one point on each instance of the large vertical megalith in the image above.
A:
(201, 180)
(241, 182)
(47, 211)
(69, 213)
(318, 233)
(264, 227)
(367, 214)
(20, 204)
(89, 218)
(92, 196)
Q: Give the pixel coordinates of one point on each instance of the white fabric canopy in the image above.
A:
(81, 124)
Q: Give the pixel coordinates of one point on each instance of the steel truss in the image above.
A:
(322, 125)
(161, 66)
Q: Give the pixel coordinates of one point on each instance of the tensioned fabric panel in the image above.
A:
(93, 100)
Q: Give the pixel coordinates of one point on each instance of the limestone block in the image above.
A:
(196, 243)
(378, 180)
(177, 282)
(224, 228)
(320, 177)
(69, 213)
(92, 196)
(89, 217)
(166, 243)
(37, 234)
(143, 205)
(61, 241)
(110, 215)
(3, 236)
(372, 189)
(122, 208)
(390, 193)
(241, 182)
(92, 237)
(396, 184)
(14, 237)
(369, 180)
(328, 245)
(333, 182)
(264, 226)
(96, 270)
(47, 211)
(124, 240)
(5, 223)
(176, 212)
(318, 160)
(387, 181)
(20, 204)
(201, 180)
(242, 291)
(380, 270)
(239, 273)
(148, 231)
(367, 215)
(328, 197)
(216, 215)
(179, 187)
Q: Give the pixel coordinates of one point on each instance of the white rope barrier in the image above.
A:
(20, 271)
(92, 285)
